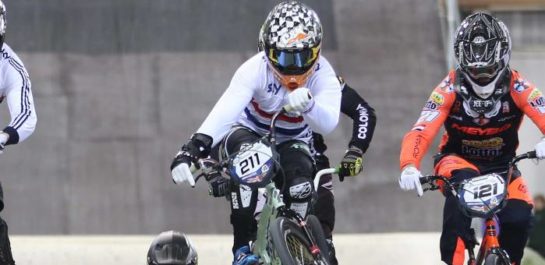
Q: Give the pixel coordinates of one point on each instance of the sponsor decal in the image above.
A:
(234, 200)
(427, 116)
(520, 85)
(536, 100)
(363, 122)
(446, 85)
(416, 148)
(481, 131)
(496, 143)
(430, 105)
(273, 88)
(301, 191)
(437, 98)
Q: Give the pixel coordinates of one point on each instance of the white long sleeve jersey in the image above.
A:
(254, 94)
(15, 89)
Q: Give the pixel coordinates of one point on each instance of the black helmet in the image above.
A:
(291, 37)
(172, 248)
(2, 23)
(482, 47)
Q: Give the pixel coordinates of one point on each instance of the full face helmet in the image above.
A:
(291, 38)
(172, 248)
(482, 47)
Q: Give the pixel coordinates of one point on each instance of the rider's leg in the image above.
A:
(298, 169)
(5, 248)
(324, 208)
(455, 224)
(242, 199)
(515, 220)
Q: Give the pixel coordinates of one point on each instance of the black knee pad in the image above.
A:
(235, 139)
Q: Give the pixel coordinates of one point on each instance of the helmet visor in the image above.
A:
(293, 62)
(483, 72)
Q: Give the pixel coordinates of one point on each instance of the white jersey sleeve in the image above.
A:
(16, 89)
(326, 90)
(238, 95)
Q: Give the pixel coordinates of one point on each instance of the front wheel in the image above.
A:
(291, 245)
(319, 237)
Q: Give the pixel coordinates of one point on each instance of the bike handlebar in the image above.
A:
(319, 174)
(430, 179)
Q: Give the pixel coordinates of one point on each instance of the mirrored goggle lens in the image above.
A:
(293, 62)
(483, 72)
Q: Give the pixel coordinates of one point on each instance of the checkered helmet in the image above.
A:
(482, 46)
(2, 23)
(291, 37)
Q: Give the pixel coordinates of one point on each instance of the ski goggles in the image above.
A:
(293, 62)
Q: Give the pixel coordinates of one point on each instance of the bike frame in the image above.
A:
(489, 243)
(268, 214)
(273, 207)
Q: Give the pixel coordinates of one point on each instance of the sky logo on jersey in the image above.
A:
(273, 88)
(537, 101)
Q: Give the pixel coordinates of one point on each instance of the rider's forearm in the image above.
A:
(363, 117)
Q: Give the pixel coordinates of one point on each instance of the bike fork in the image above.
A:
(489, 242)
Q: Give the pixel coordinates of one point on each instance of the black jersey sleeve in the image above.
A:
(363, 117)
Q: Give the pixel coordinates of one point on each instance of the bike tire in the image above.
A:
(291, 244)
(316, 229)
(496, 259)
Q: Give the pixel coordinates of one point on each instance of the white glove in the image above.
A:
(410, 179)
(300, 100)
(181, 171)
(3, 140)
(540, 149)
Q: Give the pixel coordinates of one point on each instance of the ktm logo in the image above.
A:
(481, 131)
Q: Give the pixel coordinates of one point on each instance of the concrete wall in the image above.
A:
(120, 85)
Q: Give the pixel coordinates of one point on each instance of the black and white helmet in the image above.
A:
(291, 37)
(2, 23)
(172, 248)
(482, 47)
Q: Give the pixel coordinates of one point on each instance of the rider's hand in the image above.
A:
(183, 164)
(3, 140)
(410, 179)
(180, 169)
(540, 149)
(351, 164)
(300, 100)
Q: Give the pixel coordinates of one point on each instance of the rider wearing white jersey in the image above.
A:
(254, 93)
(289, 72)
(15, 90)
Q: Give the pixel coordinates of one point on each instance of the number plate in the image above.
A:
(482, 195)
(252, 164)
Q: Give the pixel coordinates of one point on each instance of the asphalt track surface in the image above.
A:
(377, 249)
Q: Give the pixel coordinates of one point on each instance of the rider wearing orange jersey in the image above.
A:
(481, 105)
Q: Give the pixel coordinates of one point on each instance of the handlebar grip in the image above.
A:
(532, 154)
(424, 179)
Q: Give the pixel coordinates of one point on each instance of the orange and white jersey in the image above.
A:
(254, 94)
(488, 139)
(15, 89)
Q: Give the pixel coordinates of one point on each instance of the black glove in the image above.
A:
(199, 146)
(351, 164)
(218, 185)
